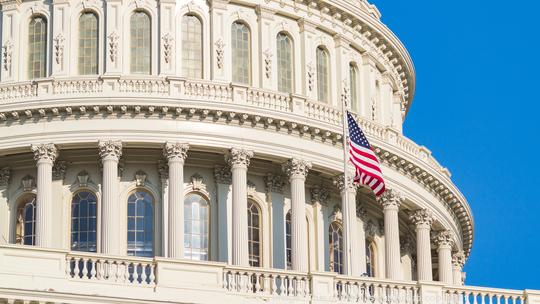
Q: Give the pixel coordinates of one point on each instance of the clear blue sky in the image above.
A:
(477, 108)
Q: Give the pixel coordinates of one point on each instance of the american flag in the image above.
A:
(368, 171)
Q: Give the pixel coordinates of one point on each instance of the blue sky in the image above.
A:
(477, 108)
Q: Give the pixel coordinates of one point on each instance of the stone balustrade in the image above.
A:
(478, 295)
(369, 290)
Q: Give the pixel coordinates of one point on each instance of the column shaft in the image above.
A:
(44, 204)
(176, 208)
(110, 234)
(391, 243)
(351, 254)
(423, 254)
(445, 264)
(299, 242)
(240, 251)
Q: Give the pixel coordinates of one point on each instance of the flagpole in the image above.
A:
(345, 175)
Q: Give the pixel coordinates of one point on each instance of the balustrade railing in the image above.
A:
(269, 100)
(373, 291)
(479, 295)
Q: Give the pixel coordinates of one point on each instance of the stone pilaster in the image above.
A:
(163, 170)
(239, 160)
(223, 178)
(176, 154)
(110, 152)
(458, 261)
(391, 200)
(5, 174)
(274, 194)
(443, 241)
(422, 220)
(44, 155)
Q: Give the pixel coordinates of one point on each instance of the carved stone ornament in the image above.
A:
(28, 183)
(223, 175)
(361, 213)
(110, 148)
(5, 174)
(83, 178)
(421, 218)
(251, 188)
(197, 182)
(268, 63)
(168, 41)
(336, 215)
(45, 152)
(296, 167)
(311, 76)
(113, 45)
(59, 170)
(274, 183)
(7, 51)
(220, 53)
(59, 48)
(406, 245)
(238, 157)
(163, 169)
(319, 194)
(349, 185)
(175, 151)
(140, 178)
(391, 199)
(458, 259)
(443, 238)
(371, 229)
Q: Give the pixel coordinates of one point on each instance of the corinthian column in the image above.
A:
(351, 254)
(422, 220)
(44, 155)
(176, 153)
(458, 260)
(391, 200)
(110, 152)
(297, 170)
(443, 240)
(238, 160)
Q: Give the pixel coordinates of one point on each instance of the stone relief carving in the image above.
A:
(311, 76)
(175, 151)
(168, 41)
(59, 170)
(59, 48)
(296, 166)
(319, 194)
(223, 174)
(45, 152)
(28, 183)
(5, 174)
(197, 182)
(7, 51)
(268, 63)
(140, 178)
(238, 157)
(110, 148)
(220, 53)
(113, 45)
(274, 183)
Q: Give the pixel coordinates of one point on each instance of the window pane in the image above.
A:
(140, 43)
(285, 63)
(355, 103)
(241, 53)
(26, 221)
(37, 47)
(196, 227)
(322, 75)
(254, 236)
(336, 247)
(140, 233)
(83, 221)
(88, 44)
(191, 47)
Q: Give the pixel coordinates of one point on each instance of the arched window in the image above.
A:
(323, 75)
(285, 63)
(141, 42)
(254, 234)
(88, 44)
(37, 47)
(353, 77)
(196, 227)
(241, 53)
(84, 221)
(192, 65)
(140, 232)
(288, 240)
(370, 258)
(336, 247)
(26, 221)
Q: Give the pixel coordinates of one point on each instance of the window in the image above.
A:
(254, 234)
(370, 258)
(196, 227)
(88, 44)
(336, 247)
(140, 232)
(26, 221)
(322, 75)
(140, 43)
(191, 47)
(353, 77)
(241, 53)
(288, 240)
(84, 222)
(37, 47)
(285, 63)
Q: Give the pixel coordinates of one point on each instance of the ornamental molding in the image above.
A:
(7, 51)
(296, 167)
(140, 178)
(168, 42)
(110, 148)
(223, 175)
(59, 48)
(163, 170)
(268, 63)
(336, 215)
(274, 183)
(5, 174)
(175, 151)
(113, 45)
(443, 238)
(406, 245)
(391, 199)
(458, 259)
(310, 75)
(28, 183)
(197, 182)
(45, 152)
(238, 157)
(83, 179)
(361, 213)
(342, 185)
(251, 188)
(59, 170)
(422, 218)
(320, 194)
(220, 53)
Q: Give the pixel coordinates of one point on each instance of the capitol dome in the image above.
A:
(191, 152)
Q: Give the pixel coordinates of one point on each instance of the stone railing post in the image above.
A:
(422, 220)
(391, 200)
(44, 155)
(430, 292)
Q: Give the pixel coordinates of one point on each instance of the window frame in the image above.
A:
(77, 42)
(354, 86)
(154, 221)
(131, 43)
(183, 49)
(208, 220)
(336, 227)
(249, 49)
(260, 261)
(45, 66)
(292, 63)
(327, 77)
(20, 204)
(97, 203)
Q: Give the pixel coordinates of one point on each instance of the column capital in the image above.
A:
(319, 194)
(47, 152)
(223, 175)
(391, 199)
(5, 174)
(458, 259)
(362, 213)
(110, 148)
(422, 218)
(239, 157)
(274, 183)
(175, 151)
(443, 239)
(296, 167)
(163, 170)
(342, 185)
(59, 170)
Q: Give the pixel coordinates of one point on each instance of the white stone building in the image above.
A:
(191, 152)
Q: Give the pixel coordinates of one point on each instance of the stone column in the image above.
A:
(362, 216)
(44, 155)
(458, 260)
(223, 178)
(297, 170)
(391, 200)
(422, 220)
(110, 152)
(274, 193)
(163, 169)
(351, 254)
(5, 174)
(443, 240)
(238, 160)
(176, 153)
